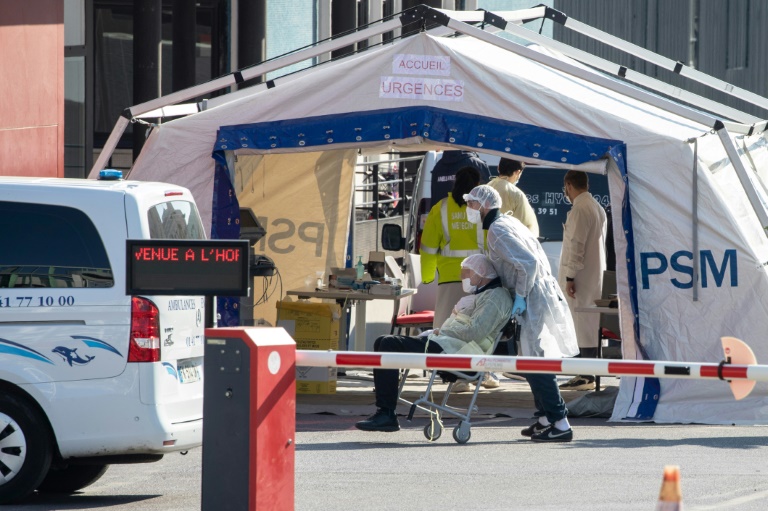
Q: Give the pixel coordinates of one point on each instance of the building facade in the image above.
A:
(119, 53)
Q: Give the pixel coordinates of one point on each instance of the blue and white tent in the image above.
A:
(688, 187)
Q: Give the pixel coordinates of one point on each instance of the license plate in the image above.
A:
(189, 372)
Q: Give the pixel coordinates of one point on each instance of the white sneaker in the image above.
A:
(461, 386)
(490, 381)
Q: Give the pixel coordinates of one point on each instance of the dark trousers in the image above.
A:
(546, 394)
(387, 381)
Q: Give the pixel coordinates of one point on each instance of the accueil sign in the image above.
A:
(414, 87)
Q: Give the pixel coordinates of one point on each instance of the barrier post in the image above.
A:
(249, 415)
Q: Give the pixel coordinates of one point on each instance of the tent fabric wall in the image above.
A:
(652, 200)
(303, 201)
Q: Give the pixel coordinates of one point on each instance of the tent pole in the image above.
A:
(758, 205)
(668, 105)
(658, 60)
(109, 146)
(264, 68)
(695, 223)
(624, 73)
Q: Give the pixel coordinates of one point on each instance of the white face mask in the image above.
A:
(473, 216)
(467, 286)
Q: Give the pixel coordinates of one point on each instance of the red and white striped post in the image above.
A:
(739, 368)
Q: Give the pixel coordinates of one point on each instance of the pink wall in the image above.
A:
(32, 88)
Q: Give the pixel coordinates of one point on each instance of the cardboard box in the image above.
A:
(306, 321)
(315, 380)
(317, 344)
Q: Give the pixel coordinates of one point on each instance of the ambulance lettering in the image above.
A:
(182, 305)
(681, 262)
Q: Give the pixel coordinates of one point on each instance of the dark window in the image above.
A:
(50, 246)
(544, 189)
(737, 23)
(114, 65)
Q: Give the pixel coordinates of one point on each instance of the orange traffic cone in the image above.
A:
(670, 496)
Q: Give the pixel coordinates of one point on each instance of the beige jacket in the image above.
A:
(514, 202)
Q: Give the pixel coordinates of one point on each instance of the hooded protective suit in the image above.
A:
(546, 326)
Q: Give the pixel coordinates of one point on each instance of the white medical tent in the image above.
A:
(687, 184)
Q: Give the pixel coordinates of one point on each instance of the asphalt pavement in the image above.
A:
(608, 466)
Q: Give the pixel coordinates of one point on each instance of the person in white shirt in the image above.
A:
(582, 263)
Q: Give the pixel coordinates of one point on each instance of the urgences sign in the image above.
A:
(187, 267)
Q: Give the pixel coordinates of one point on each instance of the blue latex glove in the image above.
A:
(519, 306)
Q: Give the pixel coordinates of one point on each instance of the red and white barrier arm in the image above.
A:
(738, 365)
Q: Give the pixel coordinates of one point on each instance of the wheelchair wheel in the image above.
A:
(433, 430)
(461, 434)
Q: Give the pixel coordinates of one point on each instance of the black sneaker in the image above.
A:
(382, 420)
(533, 429)
(552, 434)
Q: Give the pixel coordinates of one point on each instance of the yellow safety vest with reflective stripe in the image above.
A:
(447, 239)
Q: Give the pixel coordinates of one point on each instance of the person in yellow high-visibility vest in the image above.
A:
(446, 240)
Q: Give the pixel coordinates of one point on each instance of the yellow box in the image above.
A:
(315, 380)
(317, 344)
(309, 321)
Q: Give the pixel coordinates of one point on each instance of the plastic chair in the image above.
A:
(462, 432)
(403, 319)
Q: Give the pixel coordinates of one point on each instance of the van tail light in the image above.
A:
(145, 331)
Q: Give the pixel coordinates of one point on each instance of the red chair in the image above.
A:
(404, 320)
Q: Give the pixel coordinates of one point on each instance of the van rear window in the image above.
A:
(176, 220)
(50, 246)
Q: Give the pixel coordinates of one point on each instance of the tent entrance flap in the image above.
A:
(303, 200)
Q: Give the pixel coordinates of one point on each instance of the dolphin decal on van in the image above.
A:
(71, 356)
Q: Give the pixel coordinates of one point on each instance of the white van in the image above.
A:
(88, 375)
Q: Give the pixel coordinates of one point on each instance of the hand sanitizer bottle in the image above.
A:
(360, 267)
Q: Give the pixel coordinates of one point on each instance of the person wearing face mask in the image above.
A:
(513, 200)
(582, 264)
(447, 239)
(545, 320)
(471, 330)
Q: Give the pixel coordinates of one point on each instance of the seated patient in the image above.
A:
(471, 330)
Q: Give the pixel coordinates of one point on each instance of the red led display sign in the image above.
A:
(187, 267)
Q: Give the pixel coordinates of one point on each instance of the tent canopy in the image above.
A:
(686, 221)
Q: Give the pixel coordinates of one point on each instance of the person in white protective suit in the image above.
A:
(582, 263)
(546, 323)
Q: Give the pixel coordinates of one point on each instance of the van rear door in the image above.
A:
(178, 376)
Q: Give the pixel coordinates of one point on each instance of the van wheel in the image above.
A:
(25, 448)
(72, 478)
